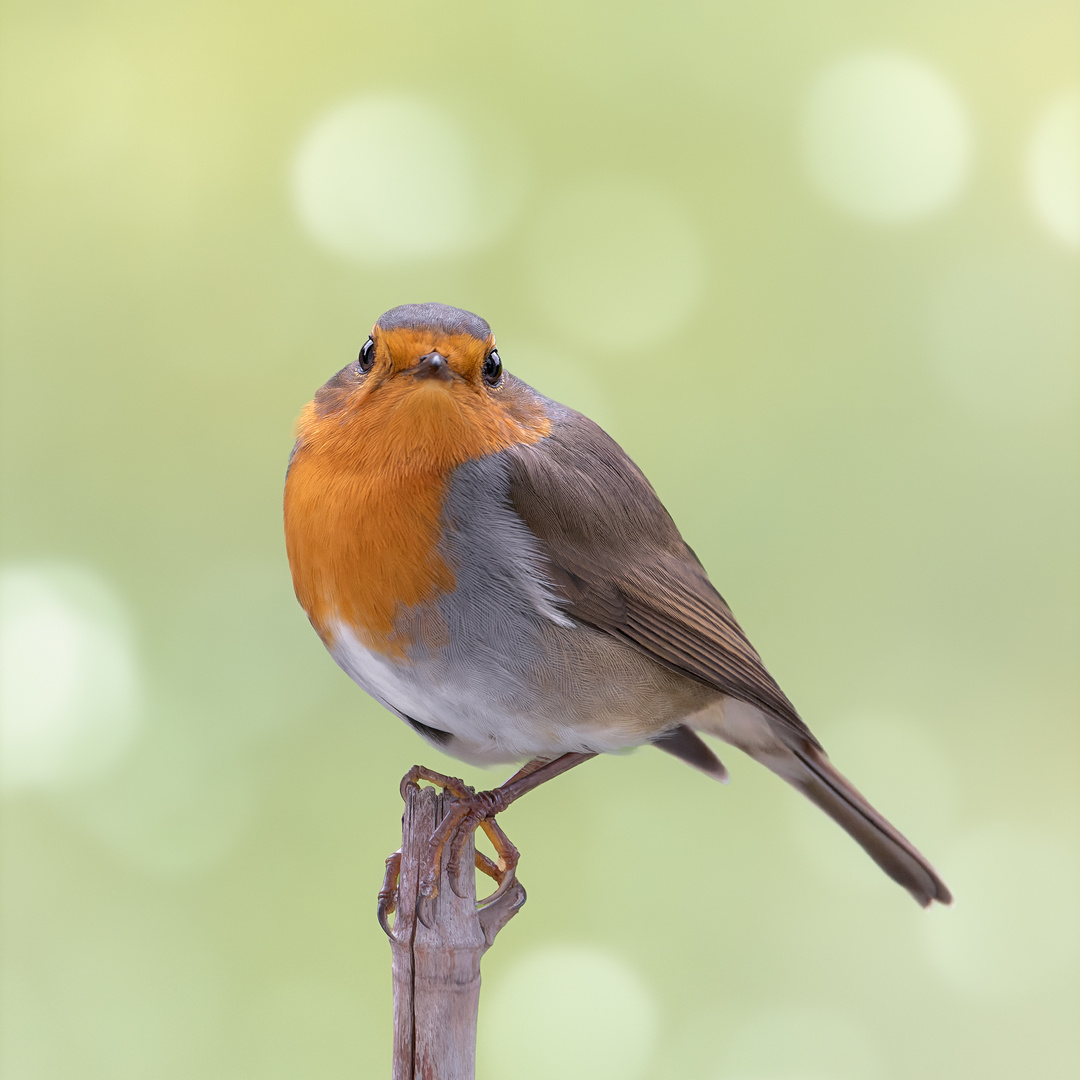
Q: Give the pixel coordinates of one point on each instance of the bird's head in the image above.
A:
(431, 344)
(427, 390)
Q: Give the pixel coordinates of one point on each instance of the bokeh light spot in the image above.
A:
(573, 1012)
(69, 684)
(395, 178)
(616, 264)
(1053, 168)
(1004, 335)
(885, 137)
(1015, 923)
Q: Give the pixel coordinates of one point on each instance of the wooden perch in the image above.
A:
(436, 957)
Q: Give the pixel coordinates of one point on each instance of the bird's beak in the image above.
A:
(432, 365)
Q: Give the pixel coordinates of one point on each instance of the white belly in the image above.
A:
(492, 718)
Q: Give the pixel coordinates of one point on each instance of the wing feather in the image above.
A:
(620, 565)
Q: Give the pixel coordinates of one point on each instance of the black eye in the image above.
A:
(492, 368)
(367, 355)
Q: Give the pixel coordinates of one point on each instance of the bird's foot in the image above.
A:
(467, 811)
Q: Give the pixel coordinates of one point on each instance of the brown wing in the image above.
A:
(621, 566)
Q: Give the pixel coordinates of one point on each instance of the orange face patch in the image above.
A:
(398, 350)
(366, 484)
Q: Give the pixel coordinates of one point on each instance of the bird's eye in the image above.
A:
(367, 355)
(492, 368)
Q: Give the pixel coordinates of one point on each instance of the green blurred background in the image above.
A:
(814, 265)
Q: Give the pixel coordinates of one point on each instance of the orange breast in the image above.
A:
(364, 496)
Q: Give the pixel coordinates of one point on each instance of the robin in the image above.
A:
(495, 570)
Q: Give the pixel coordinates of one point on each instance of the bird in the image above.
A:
(492, 567)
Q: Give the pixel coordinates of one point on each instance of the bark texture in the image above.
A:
(437, 943)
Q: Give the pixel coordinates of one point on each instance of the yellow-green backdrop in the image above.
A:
(816, 267)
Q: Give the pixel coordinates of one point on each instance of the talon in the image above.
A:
(388, 894)
(425, 910)
(460, 810)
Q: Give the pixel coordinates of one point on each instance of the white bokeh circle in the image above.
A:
(69, 682)
(885, 137)
(1003, 336)
(574, 1012)
(396, 178)
(616, 264)
(1053, 168)
(1016, 922)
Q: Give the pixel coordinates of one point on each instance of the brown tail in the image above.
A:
(793, 756)
(822, 784)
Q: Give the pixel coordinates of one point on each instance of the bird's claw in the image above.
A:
(388, 894)
(458, 788)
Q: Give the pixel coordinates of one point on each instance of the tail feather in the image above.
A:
(809, 770)
(682, 743)
(825, 786)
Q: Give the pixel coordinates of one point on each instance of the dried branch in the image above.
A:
(437, 943)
